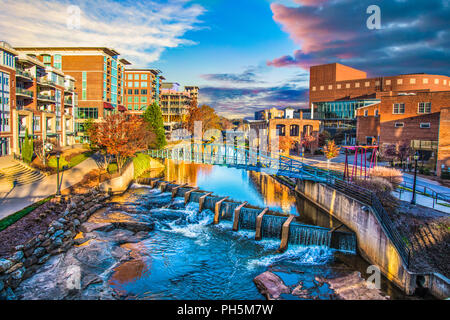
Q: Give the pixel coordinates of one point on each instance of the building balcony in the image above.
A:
(24, 74)
(20, 92)
(68, 102)
(69, 89)
(44, 82)
(44, 97)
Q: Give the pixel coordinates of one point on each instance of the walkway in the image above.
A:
(25, 195)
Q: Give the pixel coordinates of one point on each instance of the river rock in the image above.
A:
(7, 294)
(19, 247)
(17, 256)
(135, 226)
(270, 285)
(15, 267)
(39, 252)
(88, 227)
(57, 225)
(5, 264)
(18, 274)
(44, 259)
(57, 234)
(30, 261)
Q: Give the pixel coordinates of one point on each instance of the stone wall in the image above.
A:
(58, 238)
(373, 242)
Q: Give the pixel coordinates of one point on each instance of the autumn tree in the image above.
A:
(389, 152)
(285, 144)
(331, 150)
(121, 135)
(403, 152)
(205, 114)
(154, 119)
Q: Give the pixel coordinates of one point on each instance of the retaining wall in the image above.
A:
(373, 243)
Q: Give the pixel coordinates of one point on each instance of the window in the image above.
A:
(339, 86)
(143, 77)
(399, 81)
(281, 129)
(144, 91)
(143, 84)
(47, 59)
(377, 83)
(294, 130)
(136, 77)
(388, 82)
(130, 77)
(130, 84)
(367, 84)
(424, 107)
(330, 87)
(136, 99)
(399, 125)
(399, 108)
(425, 80)
(84, 86)
(130, 91)
(130, 99)
(366, 113)
(144, 99)
(436, 81)
(425, 125)
(412, 81)
(130, 106)
(136, 107)
(321, 87)
(376, 112)
(86, 113)
(136, 91)
(313, 88)
(347, 85)
(136, 84)
(357, 85)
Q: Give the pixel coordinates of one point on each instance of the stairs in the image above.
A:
(18, 173)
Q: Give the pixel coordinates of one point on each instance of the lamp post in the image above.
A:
(416, 157)
(58, 189)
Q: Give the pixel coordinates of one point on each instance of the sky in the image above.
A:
(245, 55)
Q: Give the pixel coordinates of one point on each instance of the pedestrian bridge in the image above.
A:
(243, 158)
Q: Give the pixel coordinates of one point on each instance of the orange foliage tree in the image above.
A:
(205, 114)
(121, 135)
(331, 150)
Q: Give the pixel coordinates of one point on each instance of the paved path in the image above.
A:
(25, 195)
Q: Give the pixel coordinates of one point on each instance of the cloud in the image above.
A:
(415, 35)
(245, 77)
(140, 30)
(243, 102)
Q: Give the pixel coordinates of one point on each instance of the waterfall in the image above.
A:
(309, 236)
(247, 219)
(271, 226)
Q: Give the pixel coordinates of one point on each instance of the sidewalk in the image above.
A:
(25, 195)
(421, 200)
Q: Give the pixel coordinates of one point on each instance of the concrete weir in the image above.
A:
(266, 224)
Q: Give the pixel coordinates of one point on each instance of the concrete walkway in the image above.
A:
(23, 196)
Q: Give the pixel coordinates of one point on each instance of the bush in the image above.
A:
(53, 163)
(318, 152)
(141, 164)
(112, 168)
(393, 176)
(445, 175)
(382, 188)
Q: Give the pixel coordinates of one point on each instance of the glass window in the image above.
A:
(144, 91)
(130, 77)
(294, 130)
(424, 107)
(143, 84)
(136, 84)
(136, 77)
(281, 129)
(143, 77)
(136, 91)
(399, 108)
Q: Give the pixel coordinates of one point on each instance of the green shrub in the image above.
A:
(141, 164)
(445, 175)
(112, 168)
(27, 148)
(53, 163)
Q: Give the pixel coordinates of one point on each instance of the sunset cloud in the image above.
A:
(413, 38)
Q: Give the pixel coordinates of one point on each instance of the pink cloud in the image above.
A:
(310, 3)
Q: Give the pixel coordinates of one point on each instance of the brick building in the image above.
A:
(142, 88)
(337, 91)
(99, 76)
(284, 126)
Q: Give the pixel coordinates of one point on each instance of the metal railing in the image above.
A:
(25, 92)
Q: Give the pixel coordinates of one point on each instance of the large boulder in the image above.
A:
(270, 285)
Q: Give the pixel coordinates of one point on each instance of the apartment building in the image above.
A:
(99, 76)
(175, 104)
(34, 98)
(337, 91)
(142, 88)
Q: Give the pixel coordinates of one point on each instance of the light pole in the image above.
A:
(58, 190)
(416, 157)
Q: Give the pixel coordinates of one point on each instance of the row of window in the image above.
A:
(7, 59)
(136, 91)
(423, 107)
(137, 84)
(136, 77)
(423, 125)
(136, 99)
(377, 83)
(86, 113)
(294, 130)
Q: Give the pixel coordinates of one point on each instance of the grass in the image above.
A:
(72, 162)
(141, 164)
(13, 218)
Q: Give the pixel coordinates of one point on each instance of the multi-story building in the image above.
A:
(337, 91)
(142, 88)
(175, 104)
(7, 97)
(99, 76)
(34, 98)
(193, 91)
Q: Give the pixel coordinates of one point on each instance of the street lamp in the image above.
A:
(416, 157)
(58, 189)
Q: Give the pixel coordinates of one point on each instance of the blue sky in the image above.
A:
(244, 55)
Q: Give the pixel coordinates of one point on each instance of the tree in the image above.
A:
(285, 144)
(307, 142)
(331, 150)
(205, 114)
(324, 136)
(121, 135)
(404, 151)
(27, 148)
(154, 119)
(389, 153)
